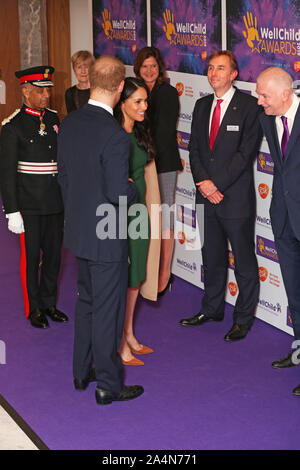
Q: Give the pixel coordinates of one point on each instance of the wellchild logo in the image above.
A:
(123, 29)
(266, 248)
(231, 263)
(274, 40)
(183, 139)
(186, 265)
(185, 117)
(2, 352)
(289, 320)
(186, 215)
(275, 308)
(265, 221)
(265, 163)
(190, 194)
(191, 34)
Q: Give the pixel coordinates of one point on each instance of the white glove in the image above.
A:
(15, 222)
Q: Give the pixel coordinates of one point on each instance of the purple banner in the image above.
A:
(264, 33)
(119, 28)
(183, 139)
(289, 320)
(186, 215)
(265, 163)
(266, 248)
(186, 32)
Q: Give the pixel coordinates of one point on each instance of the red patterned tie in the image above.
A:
(215, 124)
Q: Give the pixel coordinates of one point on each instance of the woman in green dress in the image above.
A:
(130, 112)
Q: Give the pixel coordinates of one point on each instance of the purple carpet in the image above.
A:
(200, 392)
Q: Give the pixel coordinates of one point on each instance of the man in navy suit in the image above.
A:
(93, 173)
(281, 125)
(224, 142)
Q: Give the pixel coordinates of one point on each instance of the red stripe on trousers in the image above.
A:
(23, 274)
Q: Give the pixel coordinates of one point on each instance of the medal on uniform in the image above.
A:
(42, 125)
(35, 112)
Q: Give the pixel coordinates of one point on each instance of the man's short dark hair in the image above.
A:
(229, 54)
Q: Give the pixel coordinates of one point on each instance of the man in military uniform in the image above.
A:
(31, 195)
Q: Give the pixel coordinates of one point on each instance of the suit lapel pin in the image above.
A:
(234, 108)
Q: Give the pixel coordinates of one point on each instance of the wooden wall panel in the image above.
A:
(9, 56)
(59, 51)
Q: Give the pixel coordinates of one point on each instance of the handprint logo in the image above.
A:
(169, 28)
(251, 35)
(107, 23)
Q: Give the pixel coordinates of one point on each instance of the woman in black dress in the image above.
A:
(163, 114)
(78, 95)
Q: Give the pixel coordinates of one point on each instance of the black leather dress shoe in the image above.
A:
(285, 362)
(55, 314)
(38, 319)
(82, 384)
(236, 333)
(296, 391)
(104, 397)
(197, 320)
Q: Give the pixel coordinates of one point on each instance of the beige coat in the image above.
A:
(150, 285)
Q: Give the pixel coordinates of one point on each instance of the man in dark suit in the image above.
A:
(281, 125)
(224, 142)
(31, 194)
(93, 173)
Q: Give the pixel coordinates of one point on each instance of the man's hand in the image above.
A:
(206, 188)
(216, 198)
(15, 222)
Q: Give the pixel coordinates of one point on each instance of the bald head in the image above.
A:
(275, 91)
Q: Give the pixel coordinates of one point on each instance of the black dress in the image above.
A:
(76, 98)
(163, 113)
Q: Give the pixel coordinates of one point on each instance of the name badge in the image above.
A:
(233, 128)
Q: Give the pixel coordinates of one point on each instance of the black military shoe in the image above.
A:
(55, 314)
(38, 319)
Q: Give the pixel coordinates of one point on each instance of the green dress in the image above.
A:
(138, 225)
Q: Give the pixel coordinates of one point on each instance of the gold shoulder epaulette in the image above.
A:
(9, 118)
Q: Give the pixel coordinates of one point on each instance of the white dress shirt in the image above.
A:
(290, 115)
(101, 105)
(224, 105)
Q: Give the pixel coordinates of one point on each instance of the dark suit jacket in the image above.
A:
(163, 113)
(93, 152)
(230, 164)
(286, 181)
